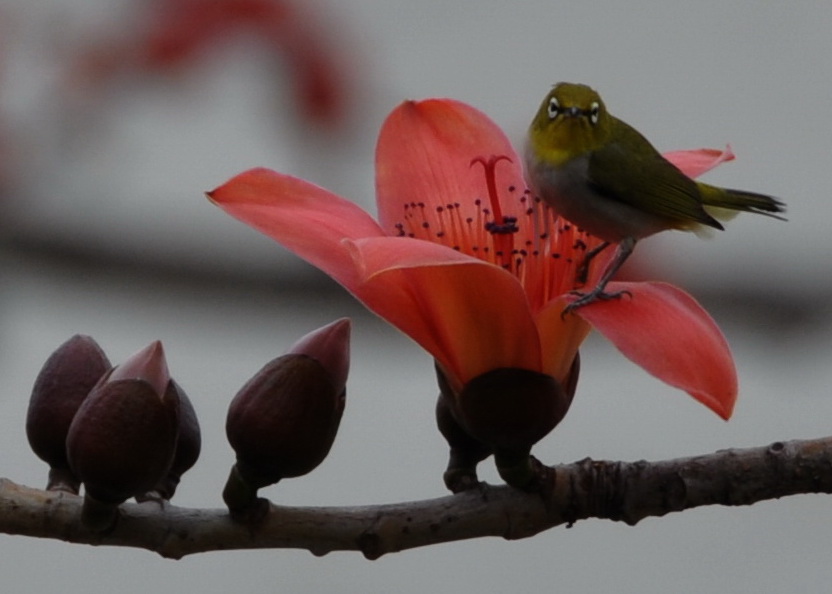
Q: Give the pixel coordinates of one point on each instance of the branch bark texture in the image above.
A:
(620, 491)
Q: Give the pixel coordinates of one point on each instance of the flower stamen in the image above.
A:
(512, 229)
(490, 165)
(501, 227)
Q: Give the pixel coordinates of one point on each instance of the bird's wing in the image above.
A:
(644, 179)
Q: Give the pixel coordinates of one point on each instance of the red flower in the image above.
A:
(475, 269)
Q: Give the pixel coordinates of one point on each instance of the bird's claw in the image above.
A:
(591, 297)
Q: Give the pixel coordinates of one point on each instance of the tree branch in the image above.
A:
(620, 491)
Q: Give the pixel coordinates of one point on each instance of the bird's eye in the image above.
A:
(594, 111)
(554, 108)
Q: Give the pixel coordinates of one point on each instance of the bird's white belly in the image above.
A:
(567, 190)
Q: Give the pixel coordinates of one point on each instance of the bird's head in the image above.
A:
(572, 120)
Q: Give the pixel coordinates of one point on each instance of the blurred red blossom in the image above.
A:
(173, 35)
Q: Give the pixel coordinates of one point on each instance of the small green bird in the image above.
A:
(603, 176)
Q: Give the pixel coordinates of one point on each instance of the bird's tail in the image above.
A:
(724, 204)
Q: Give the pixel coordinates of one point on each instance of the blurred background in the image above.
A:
(116, 116)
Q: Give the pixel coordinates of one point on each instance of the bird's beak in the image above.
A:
(573, 112)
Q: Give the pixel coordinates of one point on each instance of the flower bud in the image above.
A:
(188, 446)
(62, 384)
(465, 451)
(283, 421)
(122, 440)
(506, 411)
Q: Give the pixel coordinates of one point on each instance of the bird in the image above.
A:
(602, 175)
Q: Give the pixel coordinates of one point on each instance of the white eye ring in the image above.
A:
(554, 108)
(594, 112)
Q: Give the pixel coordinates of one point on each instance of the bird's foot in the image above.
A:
(597, 294)
(582, 274)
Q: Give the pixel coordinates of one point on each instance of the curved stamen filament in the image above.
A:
(502, 228)
(490, 165)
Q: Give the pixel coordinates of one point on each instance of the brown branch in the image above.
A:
(621, 491)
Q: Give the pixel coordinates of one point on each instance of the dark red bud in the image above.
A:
(188, 445)
(283, 421)
(122, 440)
(63, 383)
(465, 451)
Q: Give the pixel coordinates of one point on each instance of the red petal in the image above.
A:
(310, 221)
(470, 315)
(695, 163)
(424, 155)
(667, 332)
(560, 338)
